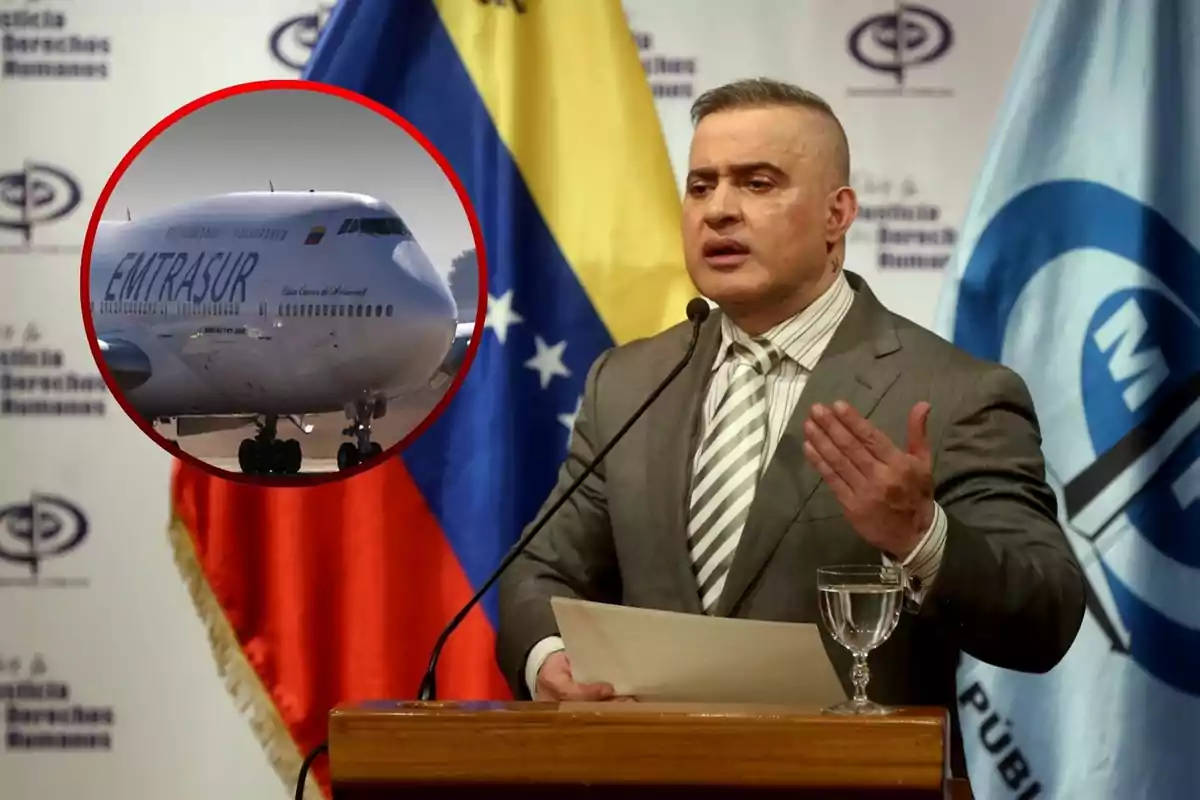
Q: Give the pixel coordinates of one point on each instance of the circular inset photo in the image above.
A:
(282, 283)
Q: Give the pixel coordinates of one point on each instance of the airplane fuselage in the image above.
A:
(281, 303)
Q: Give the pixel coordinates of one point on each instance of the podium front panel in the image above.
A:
(631, 750)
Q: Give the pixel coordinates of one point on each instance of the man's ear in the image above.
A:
(840, 213)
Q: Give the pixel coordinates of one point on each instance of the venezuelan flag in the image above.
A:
(333, 594)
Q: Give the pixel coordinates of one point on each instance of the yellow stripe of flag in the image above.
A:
(565, 87)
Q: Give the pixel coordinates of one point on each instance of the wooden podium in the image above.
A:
(635, 750)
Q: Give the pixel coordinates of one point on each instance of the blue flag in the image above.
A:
(1080, 269)
(544, 112)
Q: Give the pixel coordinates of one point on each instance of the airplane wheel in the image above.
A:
(277, 457)
(347, 456)
(248, 456)
(375, 449)
(293, 457)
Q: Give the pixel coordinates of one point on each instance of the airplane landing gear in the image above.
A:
(351, 454)
(267, 455)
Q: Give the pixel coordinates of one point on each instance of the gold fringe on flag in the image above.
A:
(241, 681)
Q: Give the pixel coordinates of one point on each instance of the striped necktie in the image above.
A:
(728, 467)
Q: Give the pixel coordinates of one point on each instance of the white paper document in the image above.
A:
(671, 657)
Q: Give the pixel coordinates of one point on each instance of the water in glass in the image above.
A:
(860, 617)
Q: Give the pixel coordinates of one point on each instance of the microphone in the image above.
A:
(697, 312)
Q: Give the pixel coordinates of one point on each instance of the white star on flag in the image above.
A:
(568, 419)
(548, 361)
(500, 315)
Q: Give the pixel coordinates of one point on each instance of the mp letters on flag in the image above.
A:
(1080, 269)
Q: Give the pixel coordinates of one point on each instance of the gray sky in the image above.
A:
(300, 140)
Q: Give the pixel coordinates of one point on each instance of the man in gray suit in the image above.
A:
(811, 427)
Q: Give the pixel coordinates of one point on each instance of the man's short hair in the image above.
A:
(766, 92)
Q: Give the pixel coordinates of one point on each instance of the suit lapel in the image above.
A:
(852, 369)
(674, 429)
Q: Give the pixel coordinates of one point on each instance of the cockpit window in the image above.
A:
(383, 226)
(375, 226)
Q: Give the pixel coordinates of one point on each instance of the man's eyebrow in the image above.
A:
(737, 169)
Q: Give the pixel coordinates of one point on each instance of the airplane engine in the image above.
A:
(456, 356)
(129, 365)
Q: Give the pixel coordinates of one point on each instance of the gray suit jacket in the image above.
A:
(1009, 591)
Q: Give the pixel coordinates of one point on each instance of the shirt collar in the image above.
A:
(803, 337)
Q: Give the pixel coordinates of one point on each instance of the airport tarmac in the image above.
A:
(311, 466)
(320, 446)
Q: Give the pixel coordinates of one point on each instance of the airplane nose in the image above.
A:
(409, 345)
(436, 297)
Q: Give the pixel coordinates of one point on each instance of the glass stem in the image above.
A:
(860, 675)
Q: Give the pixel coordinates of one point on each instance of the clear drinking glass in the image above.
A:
(860, 606)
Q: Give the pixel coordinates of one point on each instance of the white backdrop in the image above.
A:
(108, 628)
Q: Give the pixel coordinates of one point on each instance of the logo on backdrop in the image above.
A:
(906, 228)
(32, 199)
(1123, 431)
(897, 43)
(41, 713)
(671, 77)
(35, 380)
(293, 40)
(37, 534)
(40, 44)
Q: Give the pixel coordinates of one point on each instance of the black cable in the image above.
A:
(323, 747)
(697, 313)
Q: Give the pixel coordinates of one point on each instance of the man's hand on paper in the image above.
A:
(554, 682)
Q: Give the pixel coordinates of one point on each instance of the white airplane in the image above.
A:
(252, 307)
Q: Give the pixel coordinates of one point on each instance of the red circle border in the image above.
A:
(295, 481)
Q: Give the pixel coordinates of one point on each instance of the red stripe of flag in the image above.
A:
(330, 594)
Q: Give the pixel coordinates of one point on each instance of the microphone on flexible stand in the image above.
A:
(697, 312)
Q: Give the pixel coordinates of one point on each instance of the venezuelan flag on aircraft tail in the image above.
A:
(1080, 269)
(332, 594)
